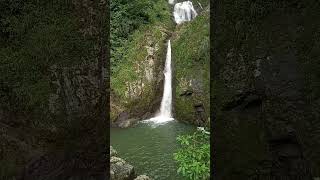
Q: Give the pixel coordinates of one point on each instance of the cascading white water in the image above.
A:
(184, 11)
(166, 103)
(165, 113)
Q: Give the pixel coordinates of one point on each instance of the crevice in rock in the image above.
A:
(186, 93)
(247, 100)
(200, 114)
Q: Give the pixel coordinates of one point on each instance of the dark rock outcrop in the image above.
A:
(53, 111)
(64, 141)
(121, 170)
(265, 124)
(123, 116)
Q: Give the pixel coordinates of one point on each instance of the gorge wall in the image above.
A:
(137, 82)
(190, 49)
(137, 78)
(53, 90)
(265, 90)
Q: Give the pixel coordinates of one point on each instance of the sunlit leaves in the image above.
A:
(194, 156)
(129, 17)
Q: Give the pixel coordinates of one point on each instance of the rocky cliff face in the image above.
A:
(75, 89)
(264, 91)
(136, 85)
(53, 94)
(137, 74)
(190, 51)
(38, 148)
(33, 147)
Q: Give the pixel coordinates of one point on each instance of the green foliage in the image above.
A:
(134, 25)
(194, 156)
(191, 53)
(34, 37)
(129, 16)
(134, 55)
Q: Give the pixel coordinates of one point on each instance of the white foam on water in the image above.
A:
(158, 120)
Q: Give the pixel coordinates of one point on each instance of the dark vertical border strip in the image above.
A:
(108, 88)
(104, 68)
(107, 80)
(104, 84)
(213, 57)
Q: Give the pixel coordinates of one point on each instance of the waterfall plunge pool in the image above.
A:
(149, 147)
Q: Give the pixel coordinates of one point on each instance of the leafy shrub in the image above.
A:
(129, 17)
(194, 156)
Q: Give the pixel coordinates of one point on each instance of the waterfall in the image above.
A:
(165, 113)
(166, 103)
(184, 11)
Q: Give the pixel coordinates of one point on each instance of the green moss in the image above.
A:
(129, 17)
(131, 68)
(40, 36)
(191, 58)
(135, 54)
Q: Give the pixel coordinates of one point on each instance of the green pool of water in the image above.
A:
(149, 148)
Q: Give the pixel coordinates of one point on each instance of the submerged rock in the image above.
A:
(127, 123)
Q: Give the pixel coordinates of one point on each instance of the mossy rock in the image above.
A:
(190, 54)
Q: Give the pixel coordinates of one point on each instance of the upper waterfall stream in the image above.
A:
(183, 12)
